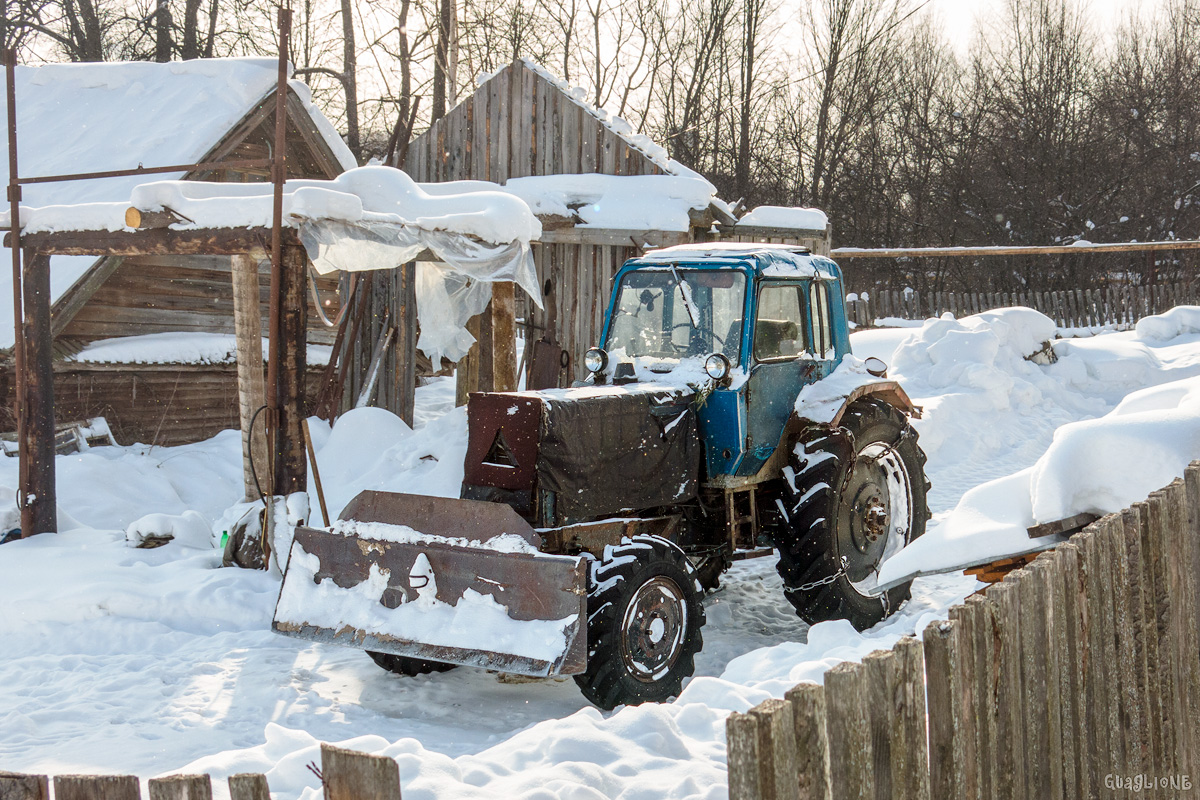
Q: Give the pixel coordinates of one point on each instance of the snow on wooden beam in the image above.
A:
(613, 236)
(156, 241)
(1021, 250)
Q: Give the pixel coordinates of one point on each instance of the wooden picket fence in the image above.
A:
(344, 774)
(1121, 306)
(1076, 676)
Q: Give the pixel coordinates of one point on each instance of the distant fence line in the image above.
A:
(344, 775)
(1075, 308)
(1076, 676)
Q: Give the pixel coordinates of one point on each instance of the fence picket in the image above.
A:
(812, 743)
(847, 726)
(249, 786)
(181, 787)
(948, 767)
(96, 787)
(351, 775)
(15, 786)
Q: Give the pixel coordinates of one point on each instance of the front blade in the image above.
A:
(522, 612)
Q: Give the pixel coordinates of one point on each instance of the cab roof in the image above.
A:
(768, 260)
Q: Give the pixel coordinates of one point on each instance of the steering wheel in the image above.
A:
(699, 328)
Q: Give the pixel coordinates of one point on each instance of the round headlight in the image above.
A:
(595, 360)
(876, 367)
(717, 366)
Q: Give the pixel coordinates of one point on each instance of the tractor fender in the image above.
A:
(888, 391)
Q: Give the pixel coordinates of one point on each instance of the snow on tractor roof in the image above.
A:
(773, 260)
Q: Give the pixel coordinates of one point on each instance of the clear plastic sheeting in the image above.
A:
(448, 293)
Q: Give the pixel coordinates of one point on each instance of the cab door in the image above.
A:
(780, 361)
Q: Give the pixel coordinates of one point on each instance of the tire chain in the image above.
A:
(828, 579)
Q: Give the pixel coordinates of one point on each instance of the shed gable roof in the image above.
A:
(523, 121)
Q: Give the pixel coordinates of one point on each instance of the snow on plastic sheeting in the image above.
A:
(446, 301)
(821, 401)
(475, 621)
(1163, 327)
(785, 217)
(189, 529)
(629, 202)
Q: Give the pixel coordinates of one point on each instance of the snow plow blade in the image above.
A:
(494, 602)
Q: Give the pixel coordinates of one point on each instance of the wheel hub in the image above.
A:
(652, 629)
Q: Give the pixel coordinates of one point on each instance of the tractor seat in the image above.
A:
(777, 338)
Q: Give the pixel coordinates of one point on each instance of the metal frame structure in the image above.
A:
(36, 496)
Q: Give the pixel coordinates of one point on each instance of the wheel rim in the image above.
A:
(875, 514)
(652, 629)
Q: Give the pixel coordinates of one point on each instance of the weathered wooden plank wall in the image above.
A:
(1077, 676)
(519, 124)
(156, 404)
(1120, 306)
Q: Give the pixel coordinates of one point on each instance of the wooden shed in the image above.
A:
(523, 122)
(139, 340)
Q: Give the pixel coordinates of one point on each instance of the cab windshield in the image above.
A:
(676, 313)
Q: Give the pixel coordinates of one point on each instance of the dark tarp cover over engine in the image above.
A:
(606, 452)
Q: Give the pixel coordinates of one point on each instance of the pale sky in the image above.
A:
(959, 16)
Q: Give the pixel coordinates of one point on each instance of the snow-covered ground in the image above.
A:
(116, 659)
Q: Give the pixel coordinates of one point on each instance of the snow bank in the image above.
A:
(821, 401)
(189, 529)
(1163, 327)
(786, 217)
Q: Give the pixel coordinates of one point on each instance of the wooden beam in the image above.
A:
(405, 352)
(770, 232)
(288, 453)
(247, 320)
(615, 237)
(39, 505)
(504, 332)
(1003, 250)
(1069, 525)
(157, 241)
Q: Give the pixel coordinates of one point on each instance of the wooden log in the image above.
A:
(249, 786)
(136, 218)
(350, 775)
(948, 767)
(15, 786)
(38, 500)
(247, 320)
(96, 787)
(181, 787)
(849, 733)
(812, 742)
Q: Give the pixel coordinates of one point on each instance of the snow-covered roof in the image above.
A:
(623, 202)
(773, 260)
(112, 116)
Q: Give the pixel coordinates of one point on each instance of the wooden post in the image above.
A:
(350, 775)
(290, 465)
(848, 728)
(405, 351)
(96, 787)
(948, 769)
(466, 372)
(812, 743)
(879, 667)
(1008, 776)
(247, 323)
(181, 787)
(504, 337)
(14, 786)
(249, 786)
(750, 757)
(39, 507)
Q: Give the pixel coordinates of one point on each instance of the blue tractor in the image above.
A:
(722, 420)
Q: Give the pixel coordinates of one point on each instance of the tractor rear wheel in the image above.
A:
(857, 497)
(644, 620)
(403, 665)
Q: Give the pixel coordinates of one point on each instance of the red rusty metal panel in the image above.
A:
(514, 417)
(440, 516)
(530, 586)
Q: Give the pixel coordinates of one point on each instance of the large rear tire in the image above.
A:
(857, 496)
(644, 621)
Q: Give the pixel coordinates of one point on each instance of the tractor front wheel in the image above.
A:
(644, 620)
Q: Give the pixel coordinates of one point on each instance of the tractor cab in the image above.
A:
(754, 322)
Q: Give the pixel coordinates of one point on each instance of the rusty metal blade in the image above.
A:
(440, 516)
(532, 587)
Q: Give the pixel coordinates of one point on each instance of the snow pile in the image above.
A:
(786, 217)
(402, 534)
(189, 529)
(629, 202)
(821, 401)
(1176, 322)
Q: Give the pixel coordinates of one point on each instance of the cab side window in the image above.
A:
(818, 297)
(779, 326)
